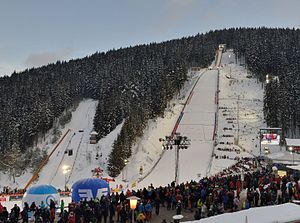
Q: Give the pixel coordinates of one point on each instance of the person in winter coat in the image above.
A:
(52, 211)
(256, 198)
(118, 209)
(45, 214)
(122, 197)
(33, 207)
(220, 209)
(123, 215)
(105, 208)
(197, 215)
(52, 204)
(140, 218)
(78, 213)
(178, 207)
(148, 210)
(141, 208)
(173, 201)
(112, 212)
(71, 217)
(210, 211)
(246, 204)
(204, 211)
(168, 200)
(157, 205)
(24, 213)
(199, 205)
(15, 212)
(4, 215)
(1, 208)
(42, 205)
(236, 202)
(64, 217)
(62, 206)
(52, 215)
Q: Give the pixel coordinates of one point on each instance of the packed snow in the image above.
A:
(197, 123)
(279, 213)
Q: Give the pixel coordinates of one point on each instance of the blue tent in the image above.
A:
(42, 189)
(89, 188)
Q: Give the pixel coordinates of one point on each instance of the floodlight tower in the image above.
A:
(180, 142)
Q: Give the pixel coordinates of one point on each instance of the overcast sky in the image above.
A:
(35, 32)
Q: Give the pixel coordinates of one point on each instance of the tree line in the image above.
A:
(135, 84)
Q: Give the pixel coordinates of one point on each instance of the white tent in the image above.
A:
(292, 142)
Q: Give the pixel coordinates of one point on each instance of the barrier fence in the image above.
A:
(19, 196)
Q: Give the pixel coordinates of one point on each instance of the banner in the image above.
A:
(4, 198)
(270, 139)
(90, 188)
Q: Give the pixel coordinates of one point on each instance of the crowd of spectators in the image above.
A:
(8, 190)
(207, 197)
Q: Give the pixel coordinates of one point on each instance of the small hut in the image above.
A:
(93, 137)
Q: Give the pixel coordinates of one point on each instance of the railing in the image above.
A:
(44, 162)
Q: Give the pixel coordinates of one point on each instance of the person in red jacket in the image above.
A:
(1, 208)
(71, 217)
(52, 211)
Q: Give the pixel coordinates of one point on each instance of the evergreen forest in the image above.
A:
(135, 84)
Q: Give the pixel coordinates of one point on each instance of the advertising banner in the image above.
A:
(270, 139)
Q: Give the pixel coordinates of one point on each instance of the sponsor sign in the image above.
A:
(4, 198)
(270, 139)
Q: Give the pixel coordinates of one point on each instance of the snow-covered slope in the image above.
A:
(220, 110)
(149, 163)
(148, 159)
(83, 157)
(86, 157)
(239, 117)
(240, 114)
(83, 160)
(76, 141)
(197, 123)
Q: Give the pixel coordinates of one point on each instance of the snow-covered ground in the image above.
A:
(278, 213)
(220, 110)
(149, 163)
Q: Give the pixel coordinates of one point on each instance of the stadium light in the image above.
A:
(267, 150)
(124, 171)
(178, 142)
(268, 78)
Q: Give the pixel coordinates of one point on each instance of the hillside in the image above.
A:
(196, 121)
(198, 98)
(136, 84)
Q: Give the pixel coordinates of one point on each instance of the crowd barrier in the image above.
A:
(19, 196)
